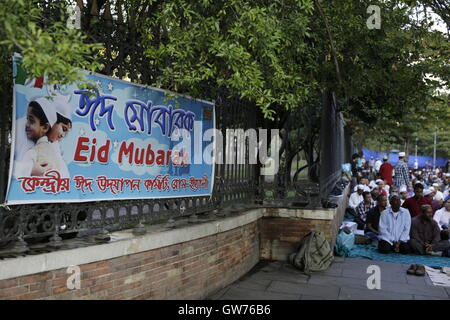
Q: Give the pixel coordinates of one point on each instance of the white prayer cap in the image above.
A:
(378, 181)
(48, 108)
(62, 107)
(385, 157)
(403, 189)
(447, 174)
(366, 188)
(427, 192)
(435, 184)
(360, 187)
(401, 154)
(432, 189)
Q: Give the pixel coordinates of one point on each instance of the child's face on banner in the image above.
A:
(33, 128)
(58, 131)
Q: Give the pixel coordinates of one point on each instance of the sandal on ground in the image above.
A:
(412, 269)
(420, 271)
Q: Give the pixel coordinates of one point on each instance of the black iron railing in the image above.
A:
(236, 186)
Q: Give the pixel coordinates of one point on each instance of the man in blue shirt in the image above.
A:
(394, 228)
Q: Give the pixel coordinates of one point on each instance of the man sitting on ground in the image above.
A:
(414, 203)
(429, 194)
(442, 216)
(362, 209)
(373, 217)
(425, 233)
(381, 188)
(403, 194)
(394, 228)
(356, 197)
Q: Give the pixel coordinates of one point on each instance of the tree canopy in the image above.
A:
(278, 55)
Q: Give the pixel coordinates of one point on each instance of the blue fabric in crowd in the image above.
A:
(393, 158)
(371, 252)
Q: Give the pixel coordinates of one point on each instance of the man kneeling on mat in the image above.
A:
(394, 228)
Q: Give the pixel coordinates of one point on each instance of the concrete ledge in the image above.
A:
(123, 243)
(316, 214)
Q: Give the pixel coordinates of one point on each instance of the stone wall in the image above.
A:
(282, 229)
(188, 270)
(189, 262)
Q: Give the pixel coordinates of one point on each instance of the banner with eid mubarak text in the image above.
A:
(117, 140)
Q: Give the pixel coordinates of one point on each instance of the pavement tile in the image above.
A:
(326, 280)
(327, 292)
(338, 259)
(217, 295)
(415, 280)
(352, 262)
(386, 274)
(289, 268)
(308, 297)
(281, 276)
(425, 290)
(366, 294)
(335, 269)
(253, 283)
(448, 291)
(235, 293)
(271, 266)
(345, 279)
(419, 297)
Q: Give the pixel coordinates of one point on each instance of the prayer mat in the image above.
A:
(371, 252)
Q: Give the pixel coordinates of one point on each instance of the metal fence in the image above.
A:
(237, 187)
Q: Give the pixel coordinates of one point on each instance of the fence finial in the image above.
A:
(5, 206)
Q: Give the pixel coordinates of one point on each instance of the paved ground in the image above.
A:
(345, 280)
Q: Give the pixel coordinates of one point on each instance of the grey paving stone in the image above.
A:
(217, 295)
(253, 283)
(326, 292)
(235, 293)
(356, 262)
(271, 266)
(308, 297)
(281, 276)
(335, 269)
(415, 280)
(387, 274)
(418, 297)
(338, 259)
(448, 291)
(424, 290)
(344, 280)
(326, 280)
(288, 268)
(366, 294)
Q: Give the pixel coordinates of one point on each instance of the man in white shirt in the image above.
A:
(442, 216)
(356, 197)
(438, 196)
(377, 165)
(403, 194)
(394, 228)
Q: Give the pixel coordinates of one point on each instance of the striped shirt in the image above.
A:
(362, 210)
(401, 177)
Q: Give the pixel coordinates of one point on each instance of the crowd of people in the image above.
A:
(404, 210)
